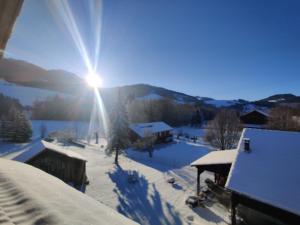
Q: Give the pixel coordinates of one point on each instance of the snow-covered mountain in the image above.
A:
(28, 82)
(26, 74)
(26, 95)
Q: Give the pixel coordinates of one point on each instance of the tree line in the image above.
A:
(14, 123)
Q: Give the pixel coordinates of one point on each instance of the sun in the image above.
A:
(94, 80)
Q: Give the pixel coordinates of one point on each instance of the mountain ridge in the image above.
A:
(29, 75)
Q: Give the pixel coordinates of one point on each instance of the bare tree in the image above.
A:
(284, 118)
(224, 131)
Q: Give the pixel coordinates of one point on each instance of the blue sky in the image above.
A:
(216, 48)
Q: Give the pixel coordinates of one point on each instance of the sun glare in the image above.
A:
(94, 80)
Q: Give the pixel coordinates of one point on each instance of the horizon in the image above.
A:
(257, 56)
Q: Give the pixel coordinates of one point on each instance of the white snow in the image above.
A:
(277, 100)
(177, 154)
(216, 157)
(143, 128)
(26, 95)
(31, 196)
(151, 200)
(43, 146)
(270, 171)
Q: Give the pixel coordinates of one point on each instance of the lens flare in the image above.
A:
(88, 45)
(94, 80)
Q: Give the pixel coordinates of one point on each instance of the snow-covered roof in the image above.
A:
(216, 157)
(35, 197)
(270, 171)
(43, 146)
(142, 129)
(256, 110)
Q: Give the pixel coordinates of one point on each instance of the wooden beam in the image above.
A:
(233, 209)
(9, 10)
(199, 171)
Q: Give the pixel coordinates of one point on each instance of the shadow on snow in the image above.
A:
(169, 156)
(140, 200)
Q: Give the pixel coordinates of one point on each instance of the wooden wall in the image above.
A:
(69, 170)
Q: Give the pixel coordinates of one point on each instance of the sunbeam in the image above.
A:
(62, 11)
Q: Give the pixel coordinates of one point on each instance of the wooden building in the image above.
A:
(255, 117)
(64, 164)
(262, 176)
(160, 130)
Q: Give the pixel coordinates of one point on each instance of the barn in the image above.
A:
(160, 130)
(262, 175)
(254, 117)
(64, 164)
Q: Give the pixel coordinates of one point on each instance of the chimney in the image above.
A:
(247, 145)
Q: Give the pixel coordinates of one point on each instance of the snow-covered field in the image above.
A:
(151, 199)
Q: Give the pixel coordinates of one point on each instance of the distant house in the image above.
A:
(254, 117)
(64, 164)
(262, 175)
(160, 130)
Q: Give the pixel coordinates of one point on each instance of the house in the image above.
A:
(31, 196)
(160, 130)
(64, 164)
(254, 118)
(262, 175)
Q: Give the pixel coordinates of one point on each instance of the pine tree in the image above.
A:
(118, 132)
(21, 127)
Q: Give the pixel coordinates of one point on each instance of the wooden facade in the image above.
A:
(70, 170)
(254, 117)
(265, 213)
(161, 137)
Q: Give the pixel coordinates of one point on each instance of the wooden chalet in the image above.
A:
(254, 117)
(64, 164)
(262, 175)
(160, 130)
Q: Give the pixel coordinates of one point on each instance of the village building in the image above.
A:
(262, 175)
(64, 164)
(255, 118)
(160, 130)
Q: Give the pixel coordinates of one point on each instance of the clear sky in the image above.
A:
(222, 49)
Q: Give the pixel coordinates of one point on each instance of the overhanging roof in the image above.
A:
(142, 129)
(269, 173)
(44, 146)
(9, 10)
(216, 157)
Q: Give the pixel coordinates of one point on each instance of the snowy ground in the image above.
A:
(151, 200)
